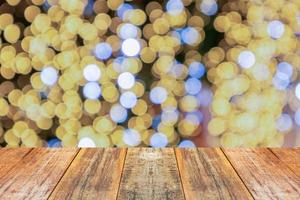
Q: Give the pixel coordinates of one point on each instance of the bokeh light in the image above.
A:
(246, 59)
(158, 95)
(297, 91)
(169, 73)
(92, 72)
(190, 36)
(158, 140)
(118, 113)
(193, 86)
(49, 76)
(209, 7)
(131, 47)
(103, 51)
(126, 80)
(284, 123)
(92, 90)
(297, 117)
(131, 137)
(128, 100)
(128, 31)
(186, 144)
(174, 7)
(196, 70)
(276, 29)
(122, 9)
(86, 143)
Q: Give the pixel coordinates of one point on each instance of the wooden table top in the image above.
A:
(145, 173)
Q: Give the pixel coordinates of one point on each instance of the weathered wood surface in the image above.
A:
(154, 174)
(150, 174)
(266, 176)
(290, 157)
(36, 174)
(207, 174)
(94, 174)
(9, 157)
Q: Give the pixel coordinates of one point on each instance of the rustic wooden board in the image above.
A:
(9, 157)
(36, 175)
(150, 174)
(207, 174)
(264, 174)
(145, 173)
(290, 156)
(94, 174)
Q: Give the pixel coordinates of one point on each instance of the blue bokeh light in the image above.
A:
(193, 86)
(122, 9)
(196, 70)
(174, 7)
(103, 51)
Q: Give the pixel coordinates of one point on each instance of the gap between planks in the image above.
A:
(266, 176)
(64, 173)
(124, 180)
(122, 173)
(93, 173)
(207, 174)
(285, 155)
(245, 181)
(15, 159)
(179, 172)
(237, 173)
(40, 169)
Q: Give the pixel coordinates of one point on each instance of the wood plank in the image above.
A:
(94, 174)
(207, 174)
(264, 174)
(290, 156)
(150, 174)
(36, 175)
(9, 157)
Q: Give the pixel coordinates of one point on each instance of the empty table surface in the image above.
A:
(147, 173)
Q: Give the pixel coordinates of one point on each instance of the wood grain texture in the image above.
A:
(9, 157)
(94, 174)
(207, 174)
(290, 157)
(264, 174)
(36, 175)
(150, 174)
